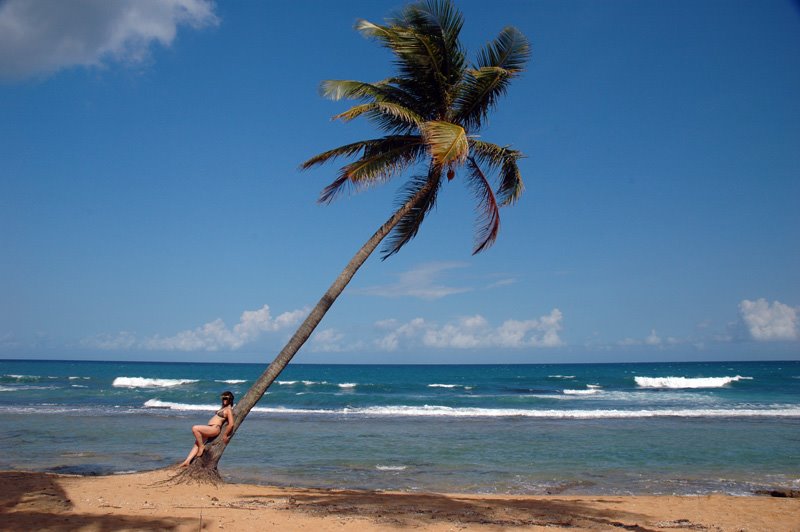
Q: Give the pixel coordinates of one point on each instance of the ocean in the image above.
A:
(661, 428)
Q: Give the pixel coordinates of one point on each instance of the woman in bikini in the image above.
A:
(203, 433)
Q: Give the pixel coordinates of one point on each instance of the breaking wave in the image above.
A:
(445, 411)
(686, 382)
(143, 382)
(590, 391)
(20, 378)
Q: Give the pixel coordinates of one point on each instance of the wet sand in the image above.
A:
(141, 501)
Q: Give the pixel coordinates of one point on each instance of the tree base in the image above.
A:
(195, 473)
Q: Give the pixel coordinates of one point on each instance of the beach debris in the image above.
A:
(681, 523)
(781, 492)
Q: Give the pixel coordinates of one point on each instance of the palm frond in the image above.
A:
(379, 91)
(478, 95)
(440, 17)
(511, 184)
(369, 29)
(488, 223)
(381, 159)
(408, 226)
(441, 20)
(499, 62)
(427, 108)
(503, 160)
(509, 51)
(424, 37)
(491, 154)
(348, 150)
(387, 115)
(447, 142)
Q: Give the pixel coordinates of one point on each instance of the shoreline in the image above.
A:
(141, 501)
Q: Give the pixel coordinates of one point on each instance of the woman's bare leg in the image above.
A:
(203, 433)
(191, 456)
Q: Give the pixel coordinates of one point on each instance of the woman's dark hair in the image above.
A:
(227, 395)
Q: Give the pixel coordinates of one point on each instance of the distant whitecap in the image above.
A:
(590, 391)
(143, 382)
(686, 382)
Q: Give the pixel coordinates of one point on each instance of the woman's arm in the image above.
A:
(229, 417)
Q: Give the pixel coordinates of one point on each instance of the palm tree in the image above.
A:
(429, 112)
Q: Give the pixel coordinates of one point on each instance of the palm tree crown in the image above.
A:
(431, 111)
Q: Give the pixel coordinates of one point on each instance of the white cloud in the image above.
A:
(502, 282)
(44, 36)
(421, 282)
(8, 340)
(121, 340)
(629, 341)
(212, 336)
(652, 338)
(769, 321)
(215, 335)
(327, 340)
(472, 332)
(397, 332)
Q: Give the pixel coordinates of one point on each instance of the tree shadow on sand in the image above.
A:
(413, 510)
(35, 501)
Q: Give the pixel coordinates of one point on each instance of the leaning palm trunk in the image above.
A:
(204, 468)
(430, 110)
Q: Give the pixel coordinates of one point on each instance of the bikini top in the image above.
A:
(221, 413)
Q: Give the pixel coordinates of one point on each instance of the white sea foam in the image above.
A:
(24, 377)
(286, 383)
(348, 385)
(78, 386)
(390, 468)
(561, 376)
(445, 411)
(232, 381)
(685, 382)
(142, 382)
(590, 391)
(444, 386)
(156, 403)
(26, 387)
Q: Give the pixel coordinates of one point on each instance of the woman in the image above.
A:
(203, 433)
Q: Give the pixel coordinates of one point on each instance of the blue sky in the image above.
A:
(151, 206)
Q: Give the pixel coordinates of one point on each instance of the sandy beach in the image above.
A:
(142, 501)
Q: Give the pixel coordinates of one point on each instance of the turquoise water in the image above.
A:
(592, 428)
